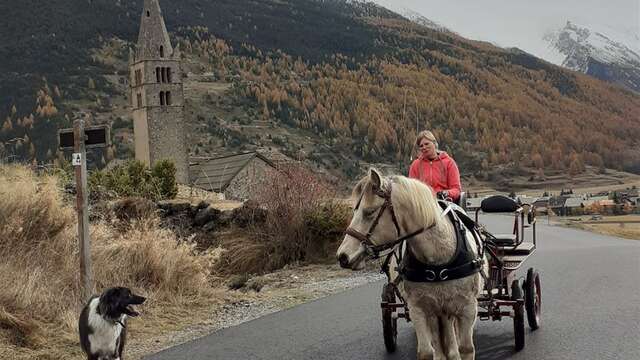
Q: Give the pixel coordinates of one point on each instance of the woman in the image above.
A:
(435, 168)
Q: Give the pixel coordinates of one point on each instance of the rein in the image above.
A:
(373, 250)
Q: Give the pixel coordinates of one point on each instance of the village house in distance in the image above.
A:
(157, 95)
(234, 177)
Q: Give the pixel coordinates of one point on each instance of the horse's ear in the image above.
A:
(376, 178)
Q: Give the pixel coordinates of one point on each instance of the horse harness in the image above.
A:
(463, 263)
(373, 250)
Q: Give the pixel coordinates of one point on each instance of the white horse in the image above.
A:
(443, 313)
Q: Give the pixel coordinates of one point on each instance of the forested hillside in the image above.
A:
(357, 76)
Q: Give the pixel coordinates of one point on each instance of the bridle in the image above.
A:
(373, 250)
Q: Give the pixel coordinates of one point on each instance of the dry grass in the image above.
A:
(627, 227)
(629, 231)
(41, 300)
(303, 224)
(621, 218)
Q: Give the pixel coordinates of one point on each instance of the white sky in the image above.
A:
(522, 23)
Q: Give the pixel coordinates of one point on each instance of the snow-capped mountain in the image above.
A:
(411, 15)
(603, 53)
(421, 20)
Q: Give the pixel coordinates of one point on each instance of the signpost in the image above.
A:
(79, 139)
(95, 136)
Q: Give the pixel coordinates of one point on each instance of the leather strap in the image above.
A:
(442, 273)
(462, 264)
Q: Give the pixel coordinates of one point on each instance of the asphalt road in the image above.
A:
(590, 311)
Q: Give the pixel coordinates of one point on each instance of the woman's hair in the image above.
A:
(426, 134)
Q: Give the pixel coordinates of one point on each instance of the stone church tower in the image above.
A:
(157, 96)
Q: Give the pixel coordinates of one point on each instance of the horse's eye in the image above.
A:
(368, 212)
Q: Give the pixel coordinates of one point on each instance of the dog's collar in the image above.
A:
(121, 323)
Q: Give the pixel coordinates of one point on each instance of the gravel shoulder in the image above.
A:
(279, 291)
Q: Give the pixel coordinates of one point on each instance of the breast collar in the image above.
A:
(463, 263)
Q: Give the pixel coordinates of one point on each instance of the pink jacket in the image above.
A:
(441, 174)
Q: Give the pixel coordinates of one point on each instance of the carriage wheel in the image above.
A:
(518, 318)
(389, 319)
(533, 298)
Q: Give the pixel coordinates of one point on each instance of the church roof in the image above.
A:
(153, 38)
(215, 174)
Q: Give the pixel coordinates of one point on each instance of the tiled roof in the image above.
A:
(527, 199)
(541, 201)
(574, 202)
(215, 174)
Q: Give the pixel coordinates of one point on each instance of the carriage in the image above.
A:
(504, 294)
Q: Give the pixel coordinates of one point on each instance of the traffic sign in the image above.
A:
(76, 159)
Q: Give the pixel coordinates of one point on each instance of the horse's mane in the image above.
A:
(416, 194)
(419, 197)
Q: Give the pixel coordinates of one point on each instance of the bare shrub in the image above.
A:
(250, 213)
(41, 297)
(301, 223)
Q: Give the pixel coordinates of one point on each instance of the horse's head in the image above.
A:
(373, 223)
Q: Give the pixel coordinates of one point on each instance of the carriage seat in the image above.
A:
(504, 239)
(498, 204)
(524, 248)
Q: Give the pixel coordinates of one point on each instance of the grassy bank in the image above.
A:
(39, 267)
(624, 226)
(41, 300)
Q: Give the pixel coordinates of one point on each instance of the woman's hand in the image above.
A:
(444, 195)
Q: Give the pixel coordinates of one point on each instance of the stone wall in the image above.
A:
(167, 139)
(186, 218)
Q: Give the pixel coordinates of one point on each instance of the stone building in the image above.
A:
(237, 177)
(157, 95)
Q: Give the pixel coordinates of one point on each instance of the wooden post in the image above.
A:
(80, 165)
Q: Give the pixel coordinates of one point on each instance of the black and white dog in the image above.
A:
(103, 322)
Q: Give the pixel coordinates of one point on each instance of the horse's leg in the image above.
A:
(437, 340)
(449, 340)
(424, 333)
(466, 320)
